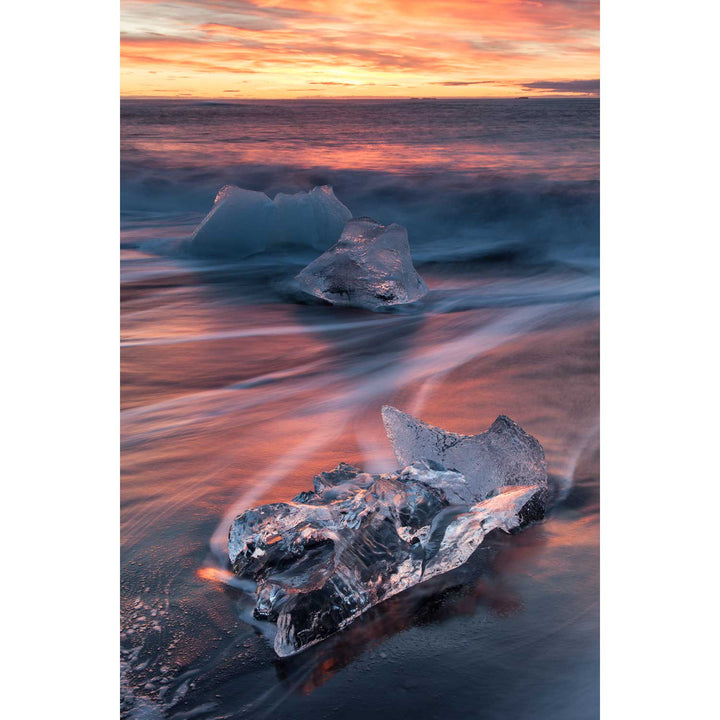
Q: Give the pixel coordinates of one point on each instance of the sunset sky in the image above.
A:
(339, 48)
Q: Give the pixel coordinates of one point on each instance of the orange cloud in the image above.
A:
(288, 48)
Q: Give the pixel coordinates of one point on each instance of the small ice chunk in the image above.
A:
(356, 539)
(244, 222)
(504, 455)
(369, 267)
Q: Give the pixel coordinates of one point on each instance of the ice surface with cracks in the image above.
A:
(324, 558)
(369, 267)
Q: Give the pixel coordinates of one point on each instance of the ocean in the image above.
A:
(235, 393)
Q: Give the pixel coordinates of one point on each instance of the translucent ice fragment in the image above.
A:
(369, 267)
(244, 222)
(504, 455)
(357, 539)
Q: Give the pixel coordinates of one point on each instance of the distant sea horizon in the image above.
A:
(574, 96)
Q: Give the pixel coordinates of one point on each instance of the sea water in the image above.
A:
(235, 394)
